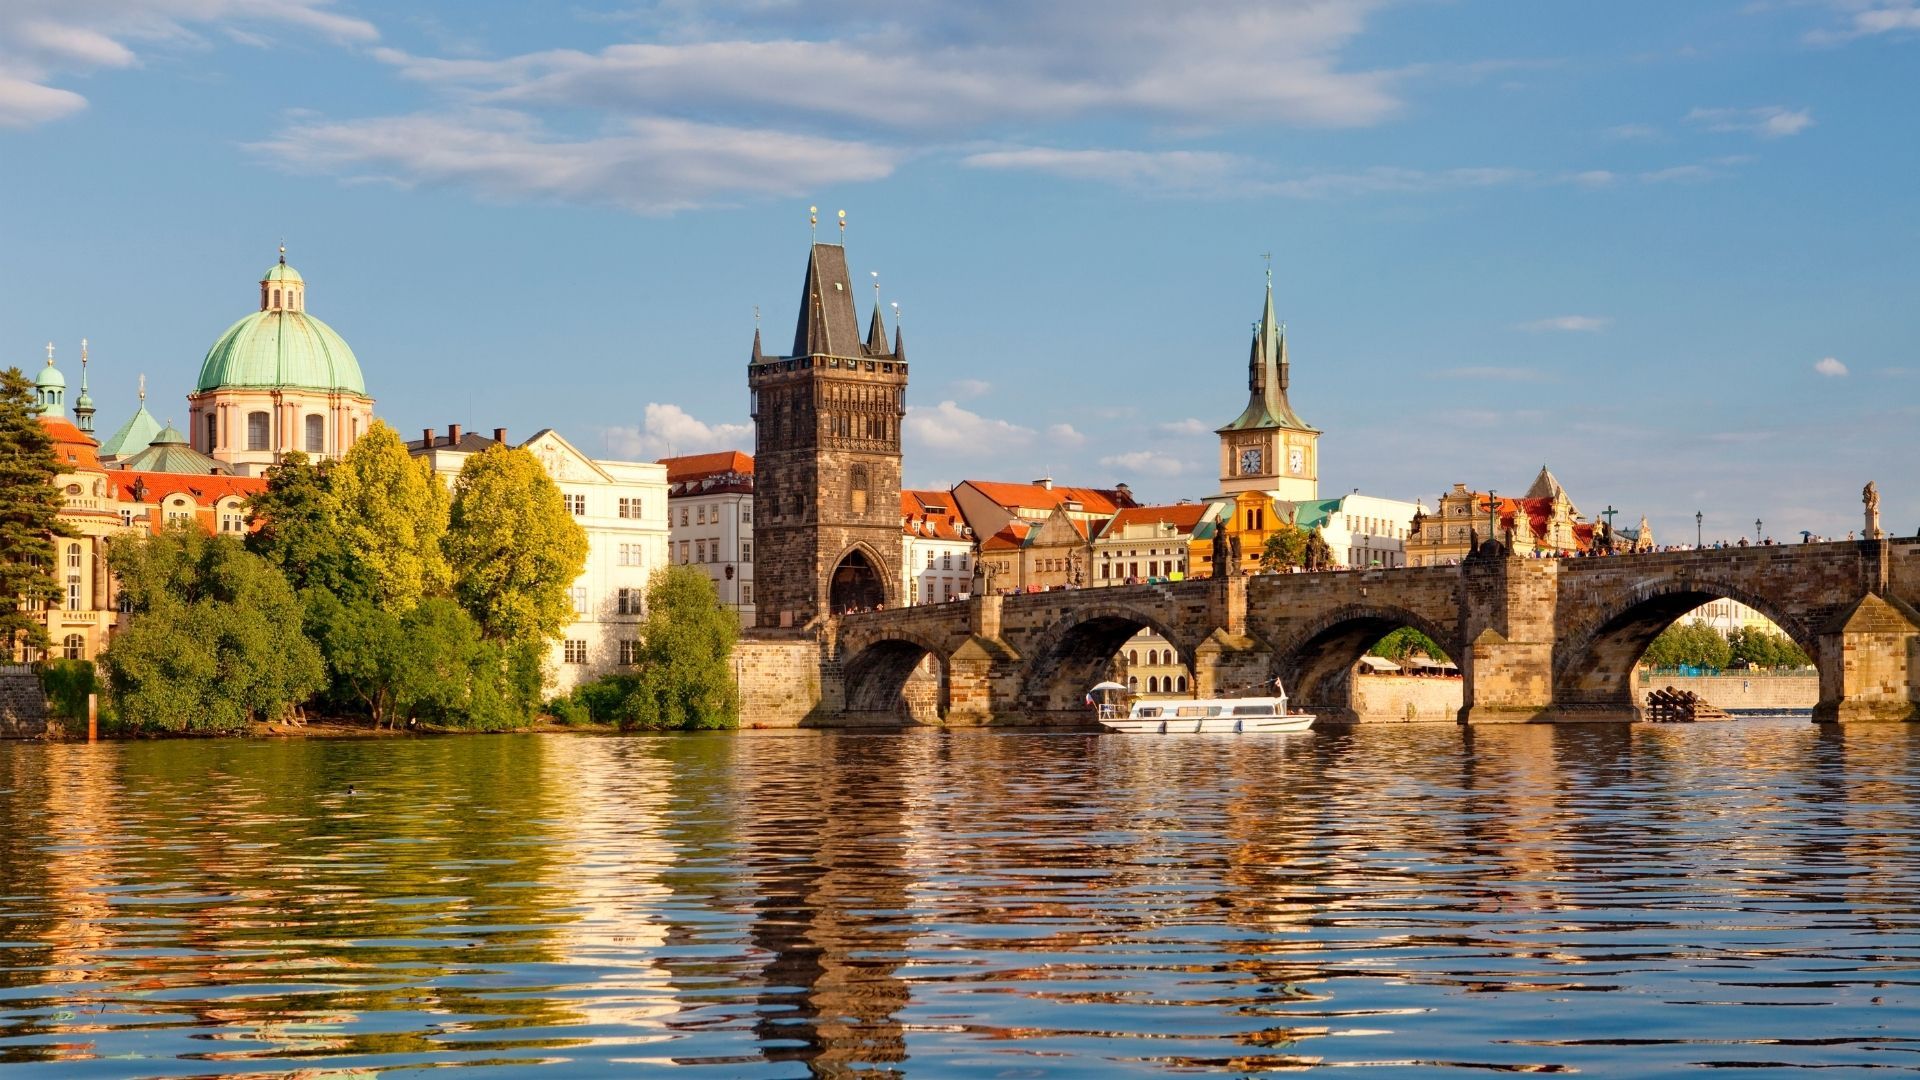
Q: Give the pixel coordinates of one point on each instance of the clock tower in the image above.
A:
(1268, 447)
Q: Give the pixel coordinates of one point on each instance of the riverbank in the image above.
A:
(63, 731)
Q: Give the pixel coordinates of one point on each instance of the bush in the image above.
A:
(605, 698)
(565, 710)
(67, 683)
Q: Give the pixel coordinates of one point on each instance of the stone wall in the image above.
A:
(1404, 698)
(1740, 693)
(23, 704)
(784, 682)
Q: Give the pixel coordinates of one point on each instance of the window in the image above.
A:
(126, 518)
(316, 434)
(683, 517)
(629, 652)
(630, 508)
(213, 430)
(579, 599)
(929, 560)
(857, 500)
(683, 548)
(233, 523)
(700, 515)
(632, 555)
(125, 604)
(630, 600)
(576, 505)
(1183, 684)
(74, 647)
(73, 592)
(946, 561)
(963, 560)
(1133, 656)
(746, 551)
(256, 431)
(576, 651)
(1153, 684)
(73, 556)
(746, 512)
(746, 592)
(700, 551)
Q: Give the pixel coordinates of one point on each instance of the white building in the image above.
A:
(622, 505)
(936, 548)
(1364, 531)
(710, 507)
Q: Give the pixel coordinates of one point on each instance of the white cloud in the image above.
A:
(1830, 367)
(1065, 435)
(1767, 121)
(1677, 174)
(1869, 19)
(1178, 169)
(1593, 178)
(1146, 461)
(671, 431)
(947, 426)
(1576, 324)
(42, 41)
(1189, 426)
(971, 388)
(651, 166)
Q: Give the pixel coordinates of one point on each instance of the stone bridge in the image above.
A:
(1536, 639)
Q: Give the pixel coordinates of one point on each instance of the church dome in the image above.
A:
(281, 345)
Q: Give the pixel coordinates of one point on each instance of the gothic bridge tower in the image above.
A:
(826, 457)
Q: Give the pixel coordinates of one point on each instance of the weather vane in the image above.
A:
(876, 287)
(843, 228)
(1268, 255)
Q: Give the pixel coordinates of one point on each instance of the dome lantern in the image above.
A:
(51, 388)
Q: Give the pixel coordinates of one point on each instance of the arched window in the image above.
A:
(316, 433)
(1183, 684)
(1133, 683)
(1133, 656)
(256, 431)
(859, 492)
(73, 647)
(1153, 684)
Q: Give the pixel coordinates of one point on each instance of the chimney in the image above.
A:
(500, 435)
(453, 436)
(426, 438)
(1044, 482)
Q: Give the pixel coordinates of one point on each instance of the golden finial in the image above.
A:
(283, 252)
(143, 388)
(843, 228)
(813, 223)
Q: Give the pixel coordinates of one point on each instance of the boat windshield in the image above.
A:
(1253, 710)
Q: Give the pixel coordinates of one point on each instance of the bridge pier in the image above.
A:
(1870, 665)
(1510, 608)
(1227, 663)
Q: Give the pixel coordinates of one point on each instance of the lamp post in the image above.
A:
(1756, 530)
(1698, 517)
(1493, 512)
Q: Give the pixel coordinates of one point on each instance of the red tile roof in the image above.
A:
(931, 514)
(205, 490)
(74, 448)
(1012, 537)
(700, 466)
(1183, 516)
(1101, 501)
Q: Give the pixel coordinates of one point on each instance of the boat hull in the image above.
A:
(1210, 725)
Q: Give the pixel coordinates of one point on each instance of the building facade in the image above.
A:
(827, 457)
(1268, 448)
(710, 523)
(622, 506)
(936, 548)
(277, 380)
(1544, 521)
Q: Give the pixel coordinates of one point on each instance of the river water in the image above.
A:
(1406, 899)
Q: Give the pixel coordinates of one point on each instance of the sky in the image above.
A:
(1671, 251)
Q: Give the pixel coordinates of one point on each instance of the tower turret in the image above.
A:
(50, 388)
(83, 405)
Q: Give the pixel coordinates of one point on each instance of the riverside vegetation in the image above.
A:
(370, 591)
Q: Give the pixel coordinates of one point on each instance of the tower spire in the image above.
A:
(83, 405)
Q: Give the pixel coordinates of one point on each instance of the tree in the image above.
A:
(29, 514)
(513, 547)
(1405, 642)
(393, 514)
(298, 529)
(1693, 644)
(1764, 648)
(1286, 547)
(683, 681)
(214, 639)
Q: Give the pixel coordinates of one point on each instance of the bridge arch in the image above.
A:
(860, 581)
(1075, 654)
(1315, 663)
(877, 677)
(1595, 659)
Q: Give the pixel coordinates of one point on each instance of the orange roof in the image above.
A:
(1102, 501)
(696, 466)
(931, 514)
(205, 490)
(74, 449)
(1183, 516)
(1012, 537)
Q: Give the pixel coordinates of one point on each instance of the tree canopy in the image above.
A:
(214, 639)
(298, 529)
(683, 681)
(1690, 644)
(1406, 642)
(1286, 547)
(393, 514)
(29, 514)
(514, 548)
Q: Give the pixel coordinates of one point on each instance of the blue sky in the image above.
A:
(1671, 250)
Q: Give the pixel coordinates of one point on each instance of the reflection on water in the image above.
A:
(1614, 901)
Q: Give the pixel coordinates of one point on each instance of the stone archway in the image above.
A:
(856, 584)
(1316, 667)
(898, 678)
(1079, 654)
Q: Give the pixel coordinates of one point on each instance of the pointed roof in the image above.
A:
(899, 347)
(828, 325)
(757, 354)
(169, 453)
(1267, 377)
(876, 334)
(133, 436)
(1545, 486)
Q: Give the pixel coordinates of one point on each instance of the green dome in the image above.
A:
(50, 378)
(282, 272)
(281, 348)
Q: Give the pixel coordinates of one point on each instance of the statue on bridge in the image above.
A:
(1870, 496)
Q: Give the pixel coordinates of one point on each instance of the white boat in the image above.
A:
(1226, 716)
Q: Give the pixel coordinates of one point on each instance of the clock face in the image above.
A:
(1250, 461)
(1297, 460)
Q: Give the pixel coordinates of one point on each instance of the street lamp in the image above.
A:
(1698, 517)
(1493, 512)
(1756, 530)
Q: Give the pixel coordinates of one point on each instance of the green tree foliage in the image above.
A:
(1406, 642)
(1764, 648)
(393, 514)
(431, 664)
(683, 681)
(29, 514)
(214, 640)
(298, 529)
(1693, 644)
(68, 684)
(1286, 547)
(514, 548)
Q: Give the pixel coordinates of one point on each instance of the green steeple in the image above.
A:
(51, 388)
(135, 435)
(83, 405)
(1267, 376)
